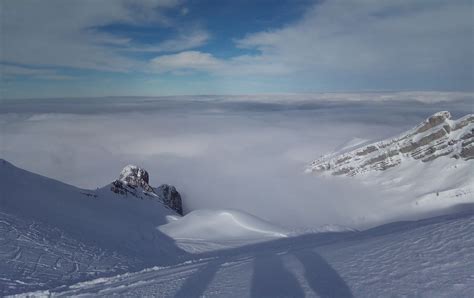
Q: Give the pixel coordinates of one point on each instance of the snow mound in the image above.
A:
(221, 225)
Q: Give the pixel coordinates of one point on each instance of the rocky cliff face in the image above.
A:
(170, 196)
(437, 136)
(134, 181)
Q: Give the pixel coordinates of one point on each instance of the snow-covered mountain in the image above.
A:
(110, 214)
(53, 233)
(426, 169)
(437, 136)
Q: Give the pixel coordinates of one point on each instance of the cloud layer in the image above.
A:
(220, 152)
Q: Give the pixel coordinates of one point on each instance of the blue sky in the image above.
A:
(78, 48)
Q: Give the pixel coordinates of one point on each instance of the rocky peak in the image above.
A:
(437, 136)
(134, 181)
(135, 177)
(432, 121)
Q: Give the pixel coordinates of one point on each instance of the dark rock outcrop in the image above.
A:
(134, 181)
(171, 197)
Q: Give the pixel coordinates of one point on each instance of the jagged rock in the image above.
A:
(435, 137)
(136, 177)
(134, 181)
(433, 121)
(171, 197)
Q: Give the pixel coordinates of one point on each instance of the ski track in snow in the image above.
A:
(427, 258)
(35, 255)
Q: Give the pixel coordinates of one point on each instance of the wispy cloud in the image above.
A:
(185, 61)
(184, 41)
(55, 33)
(373, 36)
(373, 43)
(331, 45)
(196, 61)
(11, 71)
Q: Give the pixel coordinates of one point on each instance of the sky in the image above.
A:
(85, 48)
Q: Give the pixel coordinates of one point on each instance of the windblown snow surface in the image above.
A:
(427, 258)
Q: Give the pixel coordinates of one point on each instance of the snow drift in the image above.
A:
(204, 230)
(224, 225)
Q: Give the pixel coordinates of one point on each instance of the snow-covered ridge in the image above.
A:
(437, 136)
(52, 233)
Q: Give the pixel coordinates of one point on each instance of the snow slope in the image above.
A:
(428, 258)
(100, 216)
(52, 232)
(36, 255)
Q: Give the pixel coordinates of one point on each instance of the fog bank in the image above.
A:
(218, 152)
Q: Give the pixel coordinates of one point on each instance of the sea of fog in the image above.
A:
(242, 152)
